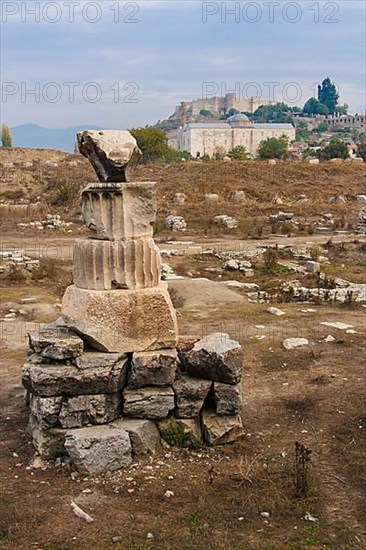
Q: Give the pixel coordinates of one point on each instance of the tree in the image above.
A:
(342, 109)
(238, 153)
(336, 149)
(327, 94)
(153, 143)
(273, 148)
(302, 132)
(361, 150)
(315, 107)
(206, 113)
(322, 127)
(6, 136)
(280, 112)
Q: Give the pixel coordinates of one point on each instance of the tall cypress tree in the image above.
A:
(328, 95)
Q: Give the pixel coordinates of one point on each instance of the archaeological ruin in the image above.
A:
(111, 376)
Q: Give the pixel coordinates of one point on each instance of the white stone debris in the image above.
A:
(338, 325)
(276, 311)
(175, 223)
(292, 343)
(167, 273)
(281, 217)
(80, 513)
(227, 221)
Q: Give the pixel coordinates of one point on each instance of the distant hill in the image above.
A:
(32, 135)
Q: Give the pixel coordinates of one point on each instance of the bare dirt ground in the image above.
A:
(234, 497)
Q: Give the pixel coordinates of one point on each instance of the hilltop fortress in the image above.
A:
(189, 111)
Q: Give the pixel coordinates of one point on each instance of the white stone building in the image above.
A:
(207, 138)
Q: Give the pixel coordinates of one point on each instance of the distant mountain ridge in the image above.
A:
(38, 137)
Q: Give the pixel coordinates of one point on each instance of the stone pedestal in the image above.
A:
(101, 381)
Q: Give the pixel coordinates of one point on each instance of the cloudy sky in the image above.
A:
(121, 64)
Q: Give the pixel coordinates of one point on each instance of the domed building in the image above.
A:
(206, 138)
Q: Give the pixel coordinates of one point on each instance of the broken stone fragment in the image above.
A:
(56, 343)
(216, 358)
(56, 380)
(153, 368)
(106, 265)
(122, 320)
(152, 403)
(144, 435)
(114, 154)
(228, 398)
(99, 449)
(119, 211)
(190, 394)
(218, 430)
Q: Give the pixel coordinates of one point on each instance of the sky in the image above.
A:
(120, 64)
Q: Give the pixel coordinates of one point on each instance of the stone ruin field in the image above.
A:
(284, 273)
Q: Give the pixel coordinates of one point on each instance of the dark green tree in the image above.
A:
(361, 150)
(206, 113)
(273, 148)
(153, 143)
(336, 149)
(327, 94)
(280, 112)
(238, 153)
(6, 136)
(302, 132)
(315, 107)
(322, 127)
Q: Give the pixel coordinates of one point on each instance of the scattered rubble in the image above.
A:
(167, 273)
(227, 221)
(175, 223)
(281, 217)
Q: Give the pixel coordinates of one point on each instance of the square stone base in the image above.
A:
(122, 320)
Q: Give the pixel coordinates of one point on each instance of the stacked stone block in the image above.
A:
(101, 380)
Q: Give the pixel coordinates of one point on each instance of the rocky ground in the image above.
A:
(236, 496)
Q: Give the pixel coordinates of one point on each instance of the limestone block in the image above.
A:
(190, 394)
(45, 410)
(228, 398)
(119, 211)
(99, 449)
(153, 368)
(75, 412)
(47, 442)
(218, 430)
(151, 402)
(81, 410)
(113, 154)
(216, 358)
(122, 320)
(106, 265)
(55, 380)
(56, 343)
(97, 359)
(144, 435)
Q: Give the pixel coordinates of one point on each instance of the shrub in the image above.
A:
(270, 260)
(175, 434)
